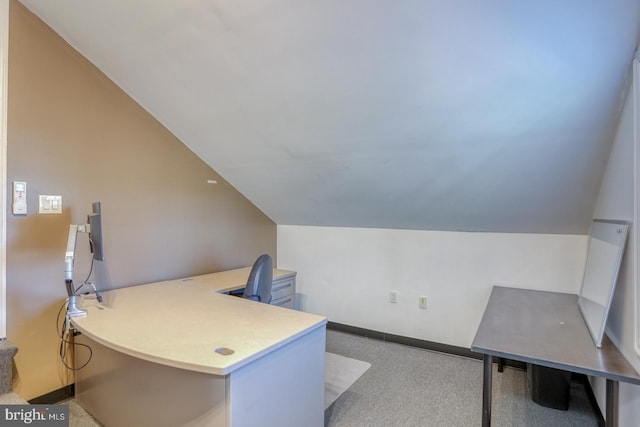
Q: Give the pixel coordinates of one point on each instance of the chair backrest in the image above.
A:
(260, 280)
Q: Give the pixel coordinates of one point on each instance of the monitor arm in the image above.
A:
(72, 309)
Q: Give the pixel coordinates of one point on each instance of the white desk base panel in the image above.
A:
(283, 388)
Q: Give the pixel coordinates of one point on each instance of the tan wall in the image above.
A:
(73, 132)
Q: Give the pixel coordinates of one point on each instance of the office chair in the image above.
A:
(260, 280)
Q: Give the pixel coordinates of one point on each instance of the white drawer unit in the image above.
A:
(283, 290)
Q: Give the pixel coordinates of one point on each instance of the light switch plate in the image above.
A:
(50, 204)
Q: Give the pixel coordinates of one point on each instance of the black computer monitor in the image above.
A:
(95, 235)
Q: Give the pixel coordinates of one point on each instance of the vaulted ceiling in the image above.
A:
(493, 115)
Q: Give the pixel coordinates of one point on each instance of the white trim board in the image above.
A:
(636, 183)
(4, 64)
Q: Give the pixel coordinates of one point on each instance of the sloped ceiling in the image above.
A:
(492, 115)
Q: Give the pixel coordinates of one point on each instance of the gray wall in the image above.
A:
(72, 132)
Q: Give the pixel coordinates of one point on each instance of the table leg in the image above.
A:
(612, 404)
(486, 390)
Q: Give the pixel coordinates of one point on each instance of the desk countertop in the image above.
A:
(231, 280)
(182, 322)
(546, 328)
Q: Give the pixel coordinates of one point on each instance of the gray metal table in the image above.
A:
(546, 329)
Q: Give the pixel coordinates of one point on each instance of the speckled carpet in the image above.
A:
(406, 386)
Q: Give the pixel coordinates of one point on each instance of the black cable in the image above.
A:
(62, 351)
(86, 281)
(88, 275)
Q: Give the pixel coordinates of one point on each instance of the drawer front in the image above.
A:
(283, 288)
(287, 302)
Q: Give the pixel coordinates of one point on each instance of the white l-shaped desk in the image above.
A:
(181, 353)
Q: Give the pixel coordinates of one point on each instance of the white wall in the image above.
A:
(617, 200)
(346, 274)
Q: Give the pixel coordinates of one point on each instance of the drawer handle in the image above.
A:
(286, 285)
(283, 302)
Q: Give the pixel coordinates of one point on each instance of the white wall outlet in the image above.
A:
(19, 206)
(422, 302)
(393, 297)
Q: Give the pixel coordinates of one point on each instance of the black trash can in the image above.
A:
(550, 387)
